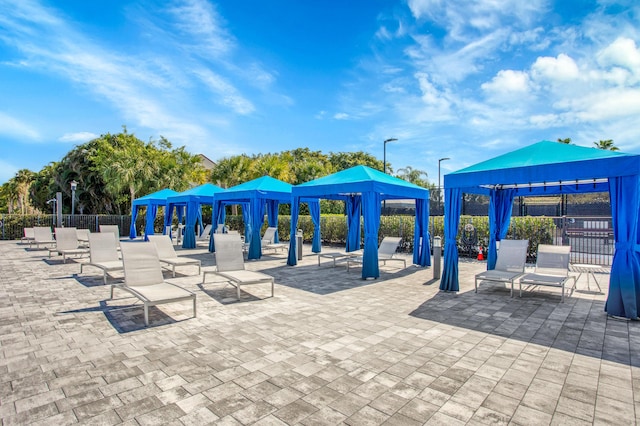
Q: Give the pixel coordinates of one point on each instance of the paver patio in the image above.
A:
(329, 348)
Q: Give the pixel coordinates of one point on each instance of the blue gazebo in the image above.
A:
(254, 196)
(548, 168)
(192, 199)
(151, 203)
(363, 189)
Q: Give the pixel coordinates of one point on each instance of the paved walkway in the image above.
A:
(329, 348)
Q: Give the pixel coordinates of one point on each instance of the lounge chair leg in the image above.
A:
(238, 290)
(174, 271)
(194, 307)
(146, 315)
(476, 283)
(272, 285)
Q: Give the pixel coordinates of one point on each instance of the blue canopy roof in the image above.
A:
(264, 187)
(545, 168)
(203, 194)
(553, 168)
(357, 180)
(157, 198)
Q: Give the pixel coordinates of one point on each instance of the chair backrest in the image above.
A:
(83, 234)
(512, 255)
(553, 260)
(141, 264)
(388, 247)
(206, 233)
(42, 233)
(220, 228)
(269, 235)
(229, 255)
(66, 238)
(29, 233)
(103, 247)
(111, 228)
(164, 246)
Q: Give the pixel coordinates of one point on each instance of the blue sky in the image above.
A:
(462, 79)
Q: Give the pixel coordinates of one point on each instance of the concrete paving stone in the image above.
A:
(419, 409)
(441, 419)
(162, 415)
(486, 416)
(446, 385)
(540, 401)
(349, 404)
(617, 411)
(37, 400)
(367, 416)
(96, 407)
(561, 419)
(68, 418)
(132, 410)
(524, 416)
(39, 412)
(295, 412)
(283, 397)
(501, 403)
(229, 405)
(198, 417)
(326, 416)
(253, 412)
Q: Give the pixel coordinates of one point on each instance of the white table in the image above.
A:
(585, 268)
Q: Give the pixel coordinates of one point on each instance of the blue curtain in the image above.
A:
(500, 208)
(189, 240)
(371, 211)
(201, 225)
(452, 208)
(272, 217)
(246, 218)
(421, 246)
(295, 208)
(168, 216)
(314, 210)
(215, 213)
(624, 281)
(132, 229)
(257, 219)
(354, 211)
(152, 211)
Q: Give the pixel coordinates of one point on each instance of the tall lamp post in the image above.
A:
(74, 186)
(384, 164)
(439, 187)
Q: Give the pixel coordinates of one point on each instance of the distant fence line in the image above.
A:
(591, 238)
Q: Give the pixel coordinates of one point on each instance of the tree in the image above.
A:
(414, 176)
(606, 145)
(23, 179)
(565, 141)
(344, 160)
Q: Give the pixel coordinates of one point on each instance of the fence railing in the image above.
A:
(590, 238)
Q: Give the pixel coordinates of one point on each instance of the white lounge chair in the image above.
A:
(268, 239)
(386, 252)
(509, 264)
(67, 244)
(103, 252)
(83, 236)
(167, 253)
(42, 235)
(206, 234)
(114, 229)
(337, 256)
(29, 236)
(230, 264)
(552, 268)
(143, 278)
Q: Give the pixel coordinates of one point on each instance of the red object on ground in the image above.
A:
(480, 254)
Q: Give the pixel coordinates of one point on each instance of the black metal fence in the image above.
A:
(12, 225)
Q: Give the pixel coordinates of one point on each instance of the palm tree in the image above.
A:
(565, 141)
(607, 145)
(23, 179)
(414, 176)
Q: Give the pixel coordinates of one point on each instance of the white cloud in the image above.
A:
(507, 83)
(560, 69)
(341, 116)
(15, 128)
(228, 95)
(80, 137)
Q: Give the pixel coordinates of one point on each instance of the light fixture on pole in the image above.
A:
(53, 208)
(74, 186)
(384, 153)
(439, 187)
